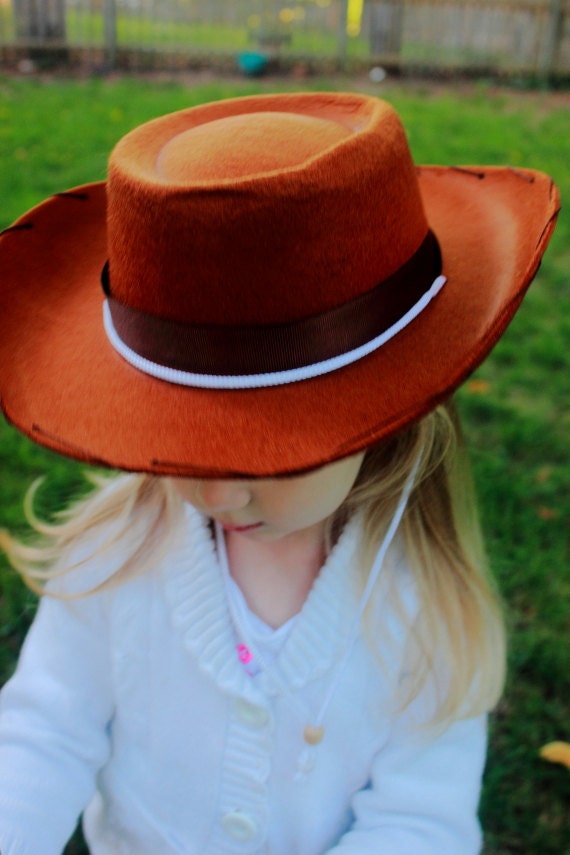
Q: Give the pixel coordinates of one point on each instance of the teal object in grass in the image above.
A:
(252, 63)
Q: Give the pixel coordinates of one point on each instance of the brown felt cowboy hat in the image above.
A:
(282, 287)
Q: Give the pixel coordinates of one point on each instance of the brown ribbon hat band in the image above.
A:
(248, 356)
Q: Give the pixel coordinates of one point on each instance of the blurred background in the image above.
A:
(505, 37)
(475, 82)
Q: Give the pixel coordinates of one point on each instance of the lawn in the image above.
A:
(185, 32)
(57, 133)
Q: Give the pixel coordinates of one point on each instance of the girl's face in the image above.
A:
(271, 508)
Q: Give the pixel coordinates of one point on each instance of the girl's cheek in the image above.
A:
(186, 489)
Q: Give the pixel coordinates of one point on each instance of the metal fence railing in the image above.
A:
(504, 36)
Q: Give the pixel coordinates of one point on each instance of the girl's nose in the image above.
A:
(219, 496)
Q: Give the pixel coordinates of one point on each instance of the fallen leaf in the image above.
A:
(556, 752)
(543, 474)
(478, 387)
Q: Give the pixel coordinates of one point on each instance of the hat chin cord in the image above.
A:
(314, 733)
(273, 378)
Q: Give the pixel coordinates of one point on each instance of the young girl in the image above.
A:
(279, 636)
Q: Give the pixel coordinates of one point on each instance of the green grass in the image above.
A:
(133, 30)
(146, 32)
(57, 133)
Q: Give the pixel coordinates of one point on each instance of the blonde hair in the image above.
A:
(131, 521)
(128, 521)
(458, 633)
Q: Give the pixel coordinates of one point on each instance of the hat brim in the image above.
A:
(64, 385)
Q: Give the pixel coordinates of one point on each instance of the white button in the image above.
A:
(239, 825)
(250, 714)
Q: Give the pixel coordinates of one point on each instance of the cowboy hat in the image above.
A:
(281, 287)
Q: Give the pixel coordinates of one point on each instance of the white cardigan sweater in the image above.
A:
(131, 704)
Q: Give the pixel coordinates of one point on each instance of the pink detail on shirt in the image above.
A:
(244, 653)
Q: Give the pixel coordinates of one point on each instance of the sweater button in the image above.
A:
(249, 714)
(239, 826)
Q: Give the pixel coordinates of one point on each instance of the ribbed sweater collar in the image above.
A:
(196, 598)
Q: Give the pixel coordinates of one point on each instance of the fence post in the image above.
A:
(342, 33)
(552, 40)
(110, 31)
(40, 20)
(386, 28)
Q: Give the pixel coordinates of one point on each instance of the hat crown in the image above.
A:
(261, 210)
(228, 148)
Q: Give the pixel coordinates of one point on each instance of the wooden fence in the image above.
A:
(507, 37)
